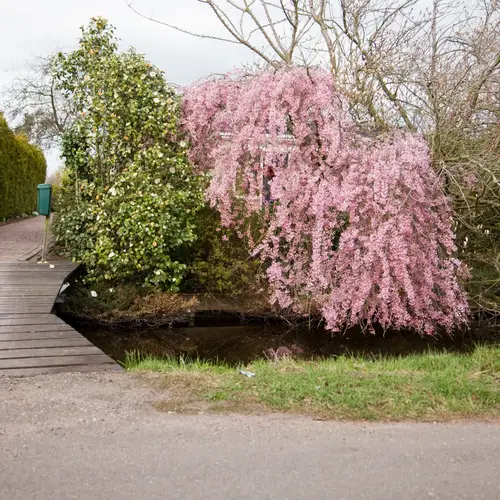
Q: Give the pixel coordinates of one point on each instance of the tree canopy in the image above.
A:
(357, 227)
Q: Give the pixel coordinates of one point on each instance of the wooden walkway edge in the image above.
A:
(32, 340)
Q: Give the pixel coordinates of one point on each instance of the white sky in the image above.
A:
(39, 27)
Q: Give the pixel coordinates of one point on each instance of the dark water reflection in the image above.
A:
(235, 344)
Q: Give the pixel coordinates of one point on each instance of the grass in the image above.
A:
(429, 386)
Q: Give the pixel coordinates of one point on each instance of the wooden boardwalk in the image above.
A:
(32, 340)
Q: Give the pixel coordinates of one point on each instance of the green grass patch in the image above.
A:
(429, 386)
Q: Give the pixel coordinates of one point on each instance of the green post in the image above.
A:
(44, 207)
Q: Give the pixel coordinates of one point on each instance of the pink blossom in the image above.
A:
(358, 226)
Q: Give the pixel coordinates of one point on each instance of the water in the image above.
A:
(242, 344)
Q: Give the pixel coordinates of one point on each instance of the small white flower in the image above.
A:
(157, 272)
(152, 74)
(112, 191)
(156, 100)
(183, 144)
(93, 293)
(111, 290)
(111, 254)
(157, 181)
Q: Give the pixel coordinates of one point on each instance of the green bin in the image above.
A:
(44, 198)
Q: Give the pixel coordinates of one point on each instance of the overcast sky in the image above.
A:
(39, 27)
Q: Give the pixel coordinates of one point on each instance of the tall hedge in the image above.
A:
(22, 168)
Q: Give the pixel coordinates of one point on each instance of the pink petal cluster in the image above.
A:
(357, 226)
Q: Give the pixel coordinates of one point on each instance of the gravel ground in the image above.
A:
(98, 436)
(64, 401)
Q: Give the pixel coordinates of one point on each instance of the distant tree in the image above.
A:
(35, 106)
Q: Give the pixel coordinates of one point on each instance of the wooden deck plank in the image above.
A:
(13, 288)
(30, 270)
(40, 343)
(90, 359)
(29, 319)
(42, 296)
(36, 268)
(19, 292)
(31, 339)
(23, 372)
(27, 309)
(29, 286)
(70, 334)
(32, 301)
(49, 352)
(63, 327)
(14, 315)
(65, 263)
(29, 273)
(43, 292)
(27, 280)
(34, 285)
(23, 268)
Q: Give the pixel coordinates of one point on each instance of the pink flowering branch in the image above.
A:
(360, 227)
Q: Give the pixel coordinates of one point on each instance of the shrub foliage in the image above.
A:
(22, 168)
(129, 196)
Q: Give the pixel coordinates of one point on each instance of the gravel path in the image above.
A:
(98, 436)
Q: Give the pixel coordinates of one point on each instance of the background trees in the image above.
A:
(22, 168)
(36, 106)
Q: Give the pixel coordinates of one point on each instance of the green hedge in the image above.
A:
(22, 168)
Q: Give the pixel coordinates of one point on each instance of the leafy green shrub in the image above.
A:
(129, 195)
(56, 195)
(22, 168)
(219, 261)
(133, 230)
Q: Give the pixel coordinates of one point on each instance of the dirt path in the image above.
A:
(21, 240)
(99, 436)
